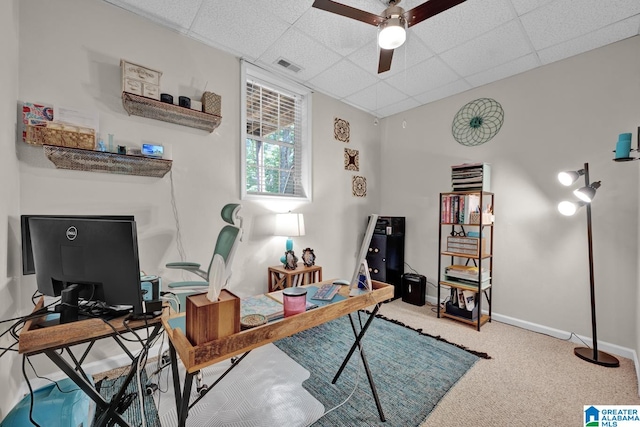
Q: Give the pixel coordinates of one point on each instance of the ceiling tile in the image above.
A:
(401, 106)
(525, 6)
(423, 77)
(612, 33)
(462, 23)
(478, 41)
(302, 51)
(287, 10)
(407, 55)
(377, 96)
(341, 34)
(176, 15)
(342, 79)
(517, 66)
(226, 22)
(443, 91)
(497, 47)
(563, 20)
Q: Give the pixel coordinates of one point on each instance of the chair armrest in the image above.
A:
(193, 267)
(183, 265)
(188, 284)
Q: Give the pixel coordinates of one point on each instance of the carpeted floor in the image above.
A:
(531, 378)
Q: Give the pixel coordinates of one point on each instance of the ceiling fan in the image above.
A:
(391, 23)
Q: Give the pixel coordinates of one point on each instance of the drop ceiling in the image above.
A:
(469, 45)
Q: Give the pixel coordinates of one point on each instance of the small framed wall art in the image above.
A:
(341, 130)
(351, 160)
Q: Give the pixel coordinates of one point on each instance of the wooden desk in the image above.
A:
(280, 277)
(195, 358)
(35, 339)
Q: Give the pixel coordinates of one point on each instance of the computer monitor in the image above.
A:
(92, 259)
(361, 261)
(27, 253)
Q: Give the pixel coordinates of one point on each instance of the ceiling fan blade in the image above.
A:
(385, 60)
(428, 9)
(348, 11)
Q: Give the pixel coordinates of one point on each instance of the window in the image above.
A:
(276, 125)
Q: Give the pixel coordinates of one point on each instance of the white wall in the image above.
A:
(78, 66)
(12, 296)
(556, 118)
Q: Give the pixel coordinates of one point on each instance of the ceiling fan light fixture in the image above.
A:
(392, 33)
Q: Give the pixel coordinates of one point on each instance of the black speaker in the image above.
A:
(386, 252)
(414, 288)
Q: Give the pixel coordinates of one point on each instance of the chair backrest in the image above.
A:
(228, 238)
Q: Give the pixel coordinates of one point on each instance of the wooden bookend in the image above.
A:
(207, 321)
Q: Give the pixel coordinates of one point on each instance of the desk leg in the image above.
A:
(83, 384)
(364, 359)
(176, 376)
(183, 408)
(182, 402)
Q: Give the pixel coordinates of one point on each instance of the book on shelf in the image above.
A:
(466, 282)
(457, 208)
(466, 272)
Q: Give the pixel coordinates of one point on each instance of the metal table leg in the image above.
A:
(358, 344)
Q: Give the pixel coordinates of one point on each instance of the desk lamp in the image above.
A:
(586, 195)
(289, 225)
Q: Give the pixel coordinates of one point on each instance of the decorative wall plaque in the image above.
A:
(359, 186)
(341, 129)
(351, 160)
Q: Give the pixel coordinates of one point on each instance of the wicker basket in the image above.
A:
(68, 136)
(212, 103)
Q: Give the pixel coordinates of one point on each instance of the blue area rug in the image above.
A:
(130, 408)
(412, 371)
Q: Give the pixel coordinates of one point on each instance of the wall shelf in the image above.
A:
(147, 107)
(100, 161)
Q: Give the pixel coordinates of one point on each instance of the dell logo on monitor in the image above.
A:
(72, 233)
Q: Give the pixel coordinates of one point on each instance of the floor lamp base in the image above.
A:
(603, 359)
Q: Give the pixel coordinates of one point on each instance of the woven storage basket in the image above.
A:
(41, 135)
(211, 103)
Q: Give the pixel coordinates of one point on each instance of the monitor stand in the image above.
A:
(69, 304)
(363, 284)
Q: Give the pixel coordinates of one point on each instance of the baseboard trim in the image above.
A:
(565, 335)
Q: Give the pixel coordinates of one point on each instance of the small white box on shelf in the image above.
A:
(140, 80)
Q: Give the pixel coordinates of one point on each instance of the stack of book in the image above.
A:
(467, 275)
(471, 177)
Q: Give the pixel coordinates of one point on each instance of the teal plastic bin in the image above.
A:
(70, 407)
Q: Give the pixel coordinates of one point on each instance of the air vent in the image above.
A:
(288, 65)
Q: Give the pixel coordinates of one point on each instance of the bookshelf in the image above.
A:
(465, 262)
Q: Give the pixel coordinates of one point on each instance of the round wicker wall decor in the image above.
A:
(477, 122)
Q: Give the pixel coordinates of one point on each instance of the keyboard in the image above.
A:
(326, 292)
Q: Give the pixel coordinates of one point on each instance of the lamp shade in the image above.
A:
(289, 225)
(569, 208)
(392, 33)
(587, 193)
(569, 177)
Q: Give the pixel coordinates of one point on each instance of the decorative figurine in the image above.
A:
(308, 257)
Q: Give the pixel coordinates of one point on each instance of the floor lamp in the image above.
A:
(586, 194)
